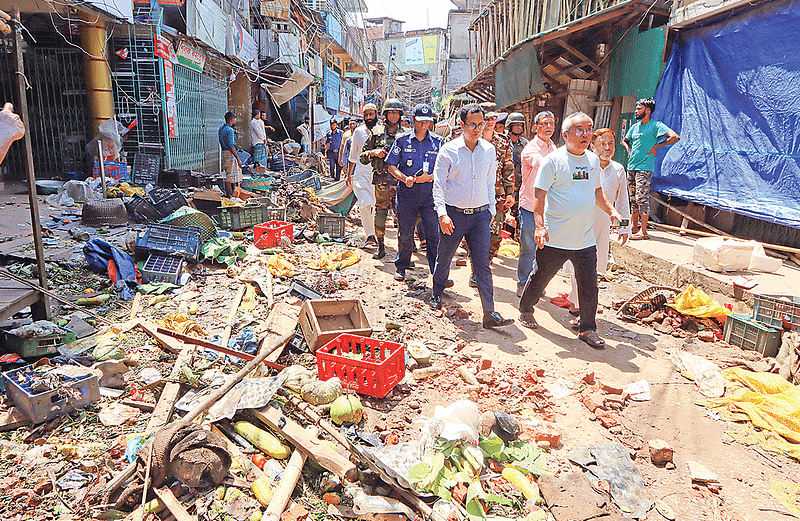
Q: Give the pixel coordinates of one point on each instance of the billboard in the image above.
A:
(430, 46)
(415, 54)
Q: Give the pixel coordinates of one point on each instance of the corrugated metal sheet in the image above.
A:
(636, 63)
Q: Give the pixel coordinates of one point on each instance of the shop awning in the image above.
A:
(286, 84)
(518, 76)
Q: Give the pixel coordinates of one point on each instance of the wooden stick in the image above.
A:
(291, 475)
(687, 216)
(168, 344)
(270, 297)
(786, 249)
(210, 345)
(135, 305)
(237, 300)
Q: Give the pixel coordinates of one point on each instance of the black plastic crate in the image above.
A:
(72, 393)
(141, 210)
(330, 223)
(162, 268)
(163, 239)
(167, 201)
(175, 178)
(242, 217)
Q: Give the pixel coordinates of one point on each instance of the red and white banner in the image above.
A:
(169, 90)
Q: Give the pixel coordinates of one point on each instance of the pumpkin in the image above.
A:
(318, 392)
(346, 409)
(296, 377)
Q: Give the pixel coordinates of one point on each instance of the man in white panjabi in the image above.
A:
(359, 176)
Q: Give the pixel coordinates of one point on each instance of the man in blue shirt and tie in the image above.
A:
(411, 161)
(464, 195)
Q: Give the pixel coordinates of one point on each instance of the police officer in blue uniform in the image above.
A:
(411, 161)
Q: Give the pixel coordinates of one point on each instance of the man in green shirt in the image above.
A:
(641, 141)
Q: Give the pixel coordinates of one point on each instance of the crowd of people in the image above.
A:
(464, 188)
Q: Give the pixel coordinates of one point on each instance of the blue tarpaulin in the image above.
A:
(732, 92)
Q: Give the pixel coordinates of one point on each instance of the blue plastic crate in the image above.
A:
(163, 239)
(73, 393)
(162, 268)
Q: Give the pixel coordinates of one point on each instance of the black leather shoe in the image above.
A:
(473, 282)
(436, 302)
(381, 253)
(450, 283)
(494, 319)
(371, 240)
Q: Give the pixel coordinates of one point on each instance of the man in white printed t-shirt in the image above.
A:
(567, 188)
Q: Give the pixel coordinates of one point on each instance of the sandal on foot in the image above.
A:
(639, 237)
(593, 339)
(527, 320)
(574, 312)
(575, 324)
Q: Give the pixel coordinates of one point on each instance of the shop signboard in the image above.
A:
(190, 57)
(240, 43)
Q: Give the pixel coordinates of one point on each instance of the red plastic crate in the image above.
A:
(269, 234)
(382, 364)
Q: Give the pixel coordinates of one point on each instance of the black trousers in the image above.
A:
(548, 261)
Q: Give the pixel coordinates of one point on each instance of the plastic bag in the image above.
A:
(509, 248)
(333, 260)
(459, 420)
(693, 301)
(706, 374)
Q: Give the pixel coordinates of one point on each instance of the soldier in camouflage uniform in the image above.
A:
(515, 126)
(374, 152)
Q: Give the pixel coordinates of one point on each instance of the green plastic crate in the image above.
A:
(742, 331)
(39, 346)
(242, 217)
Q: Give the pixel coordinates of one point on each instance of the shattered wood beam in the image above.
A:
(167, 343)
(166, 402)
(312, 446)
(579, 55)
(237, 299)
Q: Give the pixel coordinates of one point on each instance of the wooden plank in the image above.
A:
(14, 301)
(166, 402)
(168, 343)
(315, 449)
(172, 504)
(135, 306)
(12, 419)
(237, 299)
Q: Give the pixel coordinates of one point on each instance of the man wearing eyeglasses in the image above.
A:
(566, 190)
(464, 196)
(544, 123)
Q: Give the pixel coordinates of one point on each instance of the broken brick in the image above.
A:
(660, 451)
(593, 401)
(610, 389)
(8, 483)
(588, 378)
(485, 363)
(295, 513)
(607, 420)
(43, 487)
(548, 433)
(391, 438)
(461, 262)
(706, 335)
(486, 377)
(20, 492)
